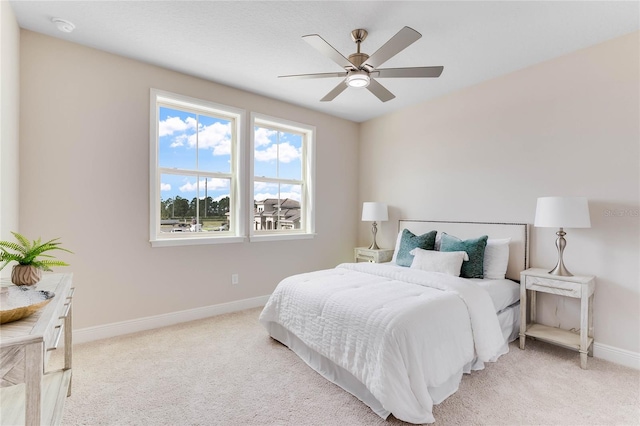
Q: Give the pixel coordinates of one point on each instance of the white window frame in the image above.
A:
(237, 197)
(307, 202)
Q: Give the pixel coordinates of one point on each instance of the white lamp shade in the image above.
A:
(562, 212)
(375, 212)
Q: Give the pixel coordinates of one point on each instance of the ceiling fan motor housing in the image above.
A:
(358, 59)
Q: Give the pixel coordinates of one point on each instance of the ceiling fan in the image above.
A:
(360, 68)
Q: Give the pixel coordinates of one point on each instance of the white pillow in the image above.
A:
(447, 262)
(496, 258)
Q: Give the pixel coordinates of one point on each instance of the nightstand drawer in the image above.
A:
(562, 288)
(368, 257)
(373, 255)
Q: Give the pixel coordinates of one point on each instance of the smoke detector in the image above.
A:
(63, 25)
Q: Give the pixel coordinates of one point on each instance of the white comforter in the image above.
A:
(398, 331)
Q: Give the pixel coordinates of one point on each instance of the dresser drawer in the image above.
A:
(55, 332)
(546, 285)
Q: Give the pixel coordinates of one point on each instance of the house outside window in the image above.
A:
(196, 177)
(283, 171)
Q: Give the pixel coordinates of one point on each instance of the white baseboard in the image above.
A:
(617, 355)
(147, 323)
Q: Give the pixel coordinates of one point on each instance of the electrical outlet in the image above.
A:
(234, 279)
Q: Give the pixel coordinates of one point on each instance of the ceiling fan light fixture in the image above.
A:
(358, 79)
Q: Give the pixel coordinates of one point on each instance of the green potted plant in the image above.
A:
(31, 258)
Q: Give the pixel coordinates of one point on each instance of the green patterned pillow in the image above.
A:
(474, 267)
(409, 241)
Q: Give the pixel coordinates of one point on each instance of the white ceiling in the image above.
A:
(247, 44)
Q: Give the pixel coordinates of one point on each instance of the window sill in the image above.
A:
(280, 237)
(195, 241)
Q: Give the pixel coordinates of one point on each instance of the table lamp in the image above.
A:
(375, 212)
(562, 212)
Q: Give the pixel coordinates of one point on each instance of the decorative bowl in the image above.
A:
(18, 302)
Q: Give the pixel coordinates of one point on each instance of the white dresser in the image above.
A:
(29, 393)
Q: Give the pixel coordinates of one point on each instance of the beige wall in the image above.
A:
(84, 123)
(9, 124)
(569, 126)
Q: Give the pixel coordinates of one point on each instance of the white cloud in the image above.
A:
(175, 124)
(263, 190)
(264, 186)
(285, 152)
(165, 187)
(212, 184)
(178, 141)
(216, 136)
(221, 197)
(261, 136)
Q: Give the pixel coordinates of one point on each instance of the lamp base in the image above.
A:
(560, 270)
(561, 243)
(374, 231)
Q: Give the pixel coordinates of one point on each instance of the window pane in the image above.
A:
(214, 205)
(265, 156)
(277, 154)
(289, 156)
(176, 202)
(214, 144)
(187, 199)
(176, 139)
(276, 206)
(291, 217)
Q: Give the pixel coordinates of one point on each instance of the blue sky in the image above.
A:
(189, 141)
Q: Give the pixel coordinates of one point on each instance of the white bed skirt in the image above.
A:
(509, 321)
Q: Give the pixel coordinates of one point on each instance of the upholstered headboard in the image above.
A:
(518, 232)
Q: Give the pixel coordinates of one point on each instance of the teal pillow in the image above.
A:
(474, 267)
(409, 241)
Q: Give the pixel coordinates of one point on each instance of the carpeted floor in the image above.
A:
(225, 370)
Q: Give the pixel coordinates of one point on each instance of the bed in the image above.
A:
(400, 338)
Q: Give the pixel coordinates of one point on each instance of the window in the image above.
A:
(282, 164)
(196, 174)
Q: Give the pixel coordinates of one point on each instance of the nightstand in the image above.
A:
(375, 256)
(580, 287)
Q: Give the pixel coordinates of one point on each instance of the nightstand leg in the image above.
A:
(591, 324)
(523, 313)
(532, 314)
(584, 329)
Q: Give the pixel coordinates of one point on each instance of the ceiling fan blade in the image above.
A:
(395, 45)
(380, 91)
(335, 92)
(417, 72)
(326, 49)
(318, 75)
